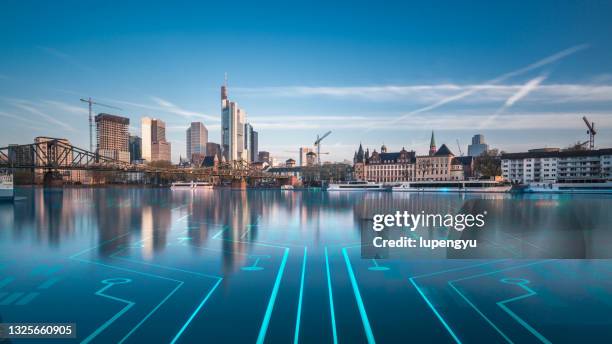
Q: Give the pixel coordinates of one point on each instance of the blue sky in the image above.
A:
(521, 73)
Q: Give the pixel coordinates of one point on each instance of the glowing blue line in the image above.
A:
(533, 331)
(266, 321)
(95, 333)
(362, 311)
(331, 299)
(448, 328)
(451, 284)
(180, 332)
(299, 310)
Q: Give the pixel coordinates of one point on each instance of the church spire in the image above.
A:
(432, 145)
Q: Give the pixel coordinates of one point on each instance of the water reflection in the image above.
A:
(121, 217)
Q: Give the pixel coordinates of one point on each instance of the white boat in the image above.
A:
(586, 187)
(286, 187)
(191, 185)
(453, 186)
(6, 187)
(357, 186)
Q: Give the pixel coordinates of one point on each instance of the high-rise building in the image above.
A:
(135, 149)
(254, 149)
(233, 121)
(251, 142)
(113, 137)
(303, 152)
(154, 144)
(264, 156)
(478, 145)
(197, 137)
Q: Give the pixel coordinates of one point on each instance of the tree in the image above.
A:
(488, 164)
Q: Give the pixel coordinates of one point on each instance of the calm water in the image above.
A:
(137, 265)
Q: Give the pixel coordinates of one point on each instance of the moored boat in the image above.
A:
(453, 186)
(357, 186)
(191, 185)
(586, 187)
(6, 187)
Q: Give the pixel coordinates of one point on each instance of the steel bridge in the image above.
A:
(52, 154)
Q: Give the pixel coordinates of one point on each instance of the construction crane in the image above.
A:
(459, 146)
(318, 144)
(91, 103)
(591, 131)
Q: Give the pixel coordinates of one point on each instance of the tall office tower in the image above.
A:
(197, 137)
(113, 137)
(303, 157)
(254, 149)
(478, 145)
(248, 129)
(232, 128)
(251, 142)
(135, 149)
(264, 156)
(154, 144)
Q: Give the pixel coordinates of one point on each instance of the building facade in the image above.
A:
(554, 165)
(154, 144)
(196, 140)
(303, 152)
(233, 120)
(404, 166)
(112, 137)
(384, 167)
(135, 149)
(478, 146)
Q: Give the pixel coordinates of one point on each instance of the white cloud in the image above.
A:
(31, 108)
(525, 90)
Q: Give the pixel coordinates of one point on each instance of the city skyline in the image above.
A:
(506, 71)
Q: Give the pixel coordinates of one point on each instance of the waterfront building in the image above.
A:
(135, 149)
(478, 146)
(441, 165)
(384, 166)
(113, 137)
(64, 156)
(196, 140)
(154, 144)
(555, 165)
(264, 156)
(233, 120)
(303, 152)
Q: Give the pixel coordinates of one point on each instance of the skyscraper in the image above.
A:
(154, 144)
(135, 148)
(113, 137)
(254, 149)
(232, 128)
(478, 145)
(250, 142)
(197, 137)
